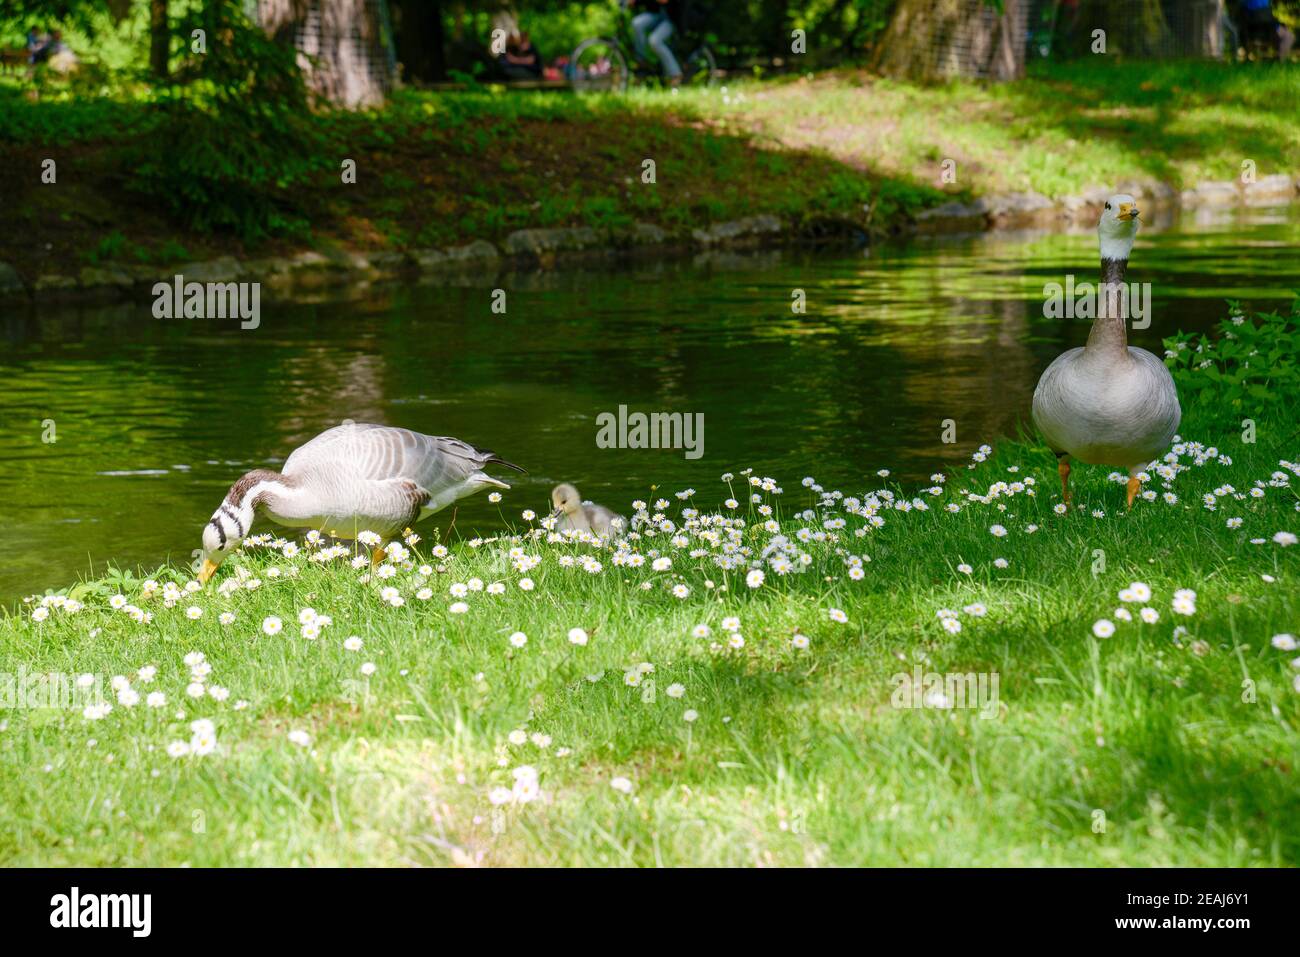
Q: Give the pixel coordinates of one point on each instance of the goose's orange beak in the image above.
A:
(1127, 211)
(206, 572)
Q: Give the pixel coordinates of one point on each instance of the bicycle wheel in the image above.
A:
(700, 68)
(598, 65)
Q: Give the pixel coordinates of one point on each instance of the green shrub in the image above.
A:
(231, 144)
(1251, 366)
(107, 248)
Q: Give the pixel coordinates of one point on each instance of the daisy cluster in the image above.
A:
(1187, 456)
(951, 620)
(754, 543)
(139, 691)
(525, 779)
(46, 605)
(678, 548)
(1139, 594)
(682, 549)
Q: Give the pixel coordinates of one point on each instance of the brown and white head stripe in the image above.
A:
(349, 479)
(233, 520)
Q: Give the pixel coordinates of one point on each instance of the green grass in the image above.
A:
(1065, 127)
(1168, 743)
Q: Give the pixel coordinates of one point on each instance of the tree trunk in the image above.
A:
(937, 39)
(420, 39)
(159, 38)
(340, 43)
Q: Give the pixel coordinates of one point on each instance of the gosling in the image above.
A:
(571, 513)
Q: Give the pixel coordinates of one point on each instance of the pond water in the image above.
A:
(154, 419)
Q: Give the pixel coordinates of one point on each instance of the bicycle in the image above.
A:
(601, 64)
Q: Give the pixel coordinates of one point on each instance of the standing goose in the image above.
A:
(349, 479)
(1108, 403)
(572, 513)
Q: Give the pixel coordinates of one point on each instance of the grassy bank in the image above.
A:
(842, 148)
(532, 700)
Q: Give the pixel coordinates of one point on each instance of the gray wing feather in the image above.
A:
(380, 452)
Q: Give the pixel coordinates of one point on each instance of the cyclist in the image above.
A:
(653, 28)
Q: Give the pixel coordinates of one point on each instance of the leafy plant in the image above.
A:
(231, 143)
(107, 248)
(1252, 363)
(172, 251)
(120, 579)
(469, 80)
(604, 212)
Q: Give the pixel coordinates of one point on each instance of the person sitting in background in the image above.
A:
(49, 47)
(41, 46)
(1258, 21)
(34, 42)
(520, 59)
(653, 28)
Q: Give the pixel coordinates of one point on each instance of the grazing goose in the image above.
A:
(1108, 403)
(349, 479)
(573, 514)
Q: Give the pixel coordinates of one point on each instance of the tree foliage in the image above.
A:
(230, 139)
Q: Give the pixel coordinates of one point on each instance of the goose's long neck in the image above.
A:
(264, 489)
(1108, 334)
